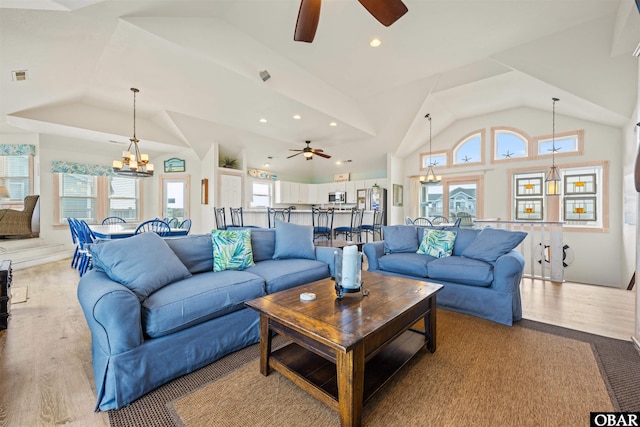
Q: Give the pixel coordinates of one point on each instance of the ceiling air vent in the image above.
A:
(19, 75)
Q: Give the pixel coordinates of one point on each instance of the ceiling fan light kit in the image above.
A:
(308, 152)
(385, 11)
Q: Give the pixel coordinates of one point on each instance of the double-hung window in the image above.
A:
(93, 197)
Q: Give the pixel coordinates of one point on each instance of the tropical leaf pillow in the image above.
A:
(231, 249)
(437, 243)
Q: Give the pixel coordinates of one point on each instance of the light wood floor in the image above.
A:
(45, 354)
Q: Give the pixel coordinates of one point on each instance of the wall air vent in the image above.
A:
(19, 75)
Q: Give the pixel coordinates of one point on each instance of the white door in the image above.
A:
(230, 190)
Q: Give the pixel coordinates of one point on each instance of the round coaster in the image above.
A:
(307, 296)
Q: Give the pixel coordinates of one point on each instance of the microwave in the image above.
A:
(338, 197)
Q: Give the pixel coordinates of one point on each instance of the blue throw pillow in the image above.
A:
(231, 249)
(294, 241)
(492, 243)
(194, 251)
(400, 238)
(437, 243)
(143, 263)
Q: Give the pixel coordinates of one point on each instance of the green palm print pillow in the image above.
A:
(231, 249)
(437, 243)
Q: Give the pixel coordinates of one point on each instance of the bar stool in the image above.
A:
(375, 227)
(322, 221)
(283, 214)
(221, 219)
(355, 226)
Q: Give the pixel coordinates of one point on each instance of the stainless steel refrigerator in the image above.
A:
(374, 198)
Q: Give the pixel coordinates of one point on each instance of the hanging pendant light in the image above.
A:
(133, 163)
(431, 177)
(553, 175)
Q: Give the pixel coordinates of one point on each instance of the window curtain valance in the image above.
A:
(81, 169)
(17, 150)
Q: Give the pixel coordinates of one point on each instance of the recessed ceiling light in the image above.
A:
(338, 162)
(333, 124)
(297, 116)
(263, 120)
(266, 165)
(375, 42)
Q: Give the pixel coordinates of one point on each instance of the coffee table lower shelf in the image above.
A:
(318, 376)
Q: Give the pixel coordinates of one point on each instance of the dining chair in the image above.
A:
(355, 227)
(408, 221)
(85, 238)
(173, 222)
(74, 239)
(113, 220)
(423, 221)
(157, 226)
(457, 222)
(185, 225)
(437, 220)
(375, 227)
(221, 218)
(322, 221)
(283, 214)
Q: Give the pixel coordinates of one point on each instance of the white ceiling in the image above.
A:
(196, 64)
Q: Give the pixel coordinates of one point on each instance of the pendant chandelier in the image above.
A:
(133, 163)
(553, 175)
(431, 177)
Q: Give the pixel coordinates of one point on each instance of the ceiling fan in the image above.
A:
(385, 11)
(308, 152)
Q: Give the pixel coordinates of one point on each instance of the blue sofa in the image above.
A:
(481, 276)
(157, 310)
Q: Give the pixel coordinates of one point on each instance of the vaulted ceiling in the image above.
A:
(197, 66)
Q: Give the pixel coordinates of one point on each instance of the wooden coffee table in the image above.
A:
(343, 351)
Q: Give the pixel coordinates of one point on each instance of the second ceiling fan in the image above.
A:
(385, 11)
(308, 152)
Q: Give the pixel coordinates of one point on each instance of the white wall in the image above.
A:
(395, 172)
(598, 256)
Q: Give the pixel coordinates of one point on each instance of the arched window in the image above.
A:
(469, 150)
(566, 143)
(509, 144)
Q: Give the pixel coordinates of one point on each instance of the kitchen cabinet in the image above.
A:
(292, 192)
(350, 188)
(312, 194)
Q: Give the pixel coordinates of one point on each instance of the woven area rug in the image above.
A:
(481, 374)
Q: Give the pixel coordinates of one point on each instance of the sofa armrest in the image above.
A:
(508, 272)
(373, 251)
(112, 311)
(326, 255)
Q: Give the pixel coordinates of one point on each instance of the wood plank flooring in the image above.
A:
(46, 377)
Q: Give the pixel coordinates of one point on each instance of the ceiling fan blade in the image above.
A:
(326, 156)
(316, 150)
(307, 23)
(385, 11)
(293, 155)
(292, 149)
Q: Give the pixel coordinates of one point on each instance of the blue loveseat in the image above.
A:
(481, 276)
(157, 310)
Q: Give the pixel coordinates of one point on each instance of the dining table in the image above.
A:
(120, 231)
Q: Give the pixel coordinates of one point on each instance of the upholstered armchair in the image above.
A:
(18, 223)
